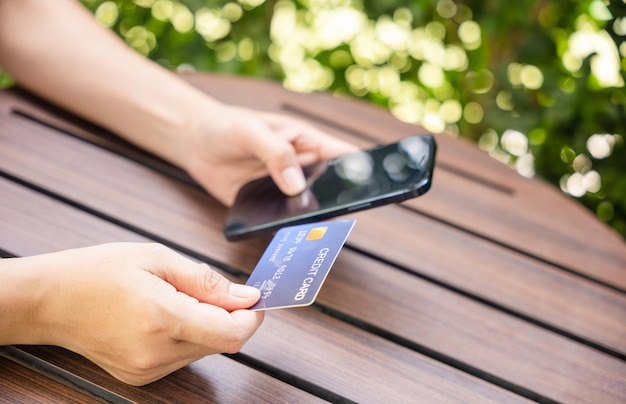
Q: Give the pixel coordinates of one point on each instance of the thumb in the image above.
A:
(211, 287)
(208, 286)
(278, 155)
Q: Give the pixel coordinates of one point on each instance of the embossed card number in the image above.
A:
(295, 264)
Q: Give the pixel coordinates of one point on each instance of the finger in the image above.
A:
(199, 281)
(212, 327)
(276, 152)
(195, 331)
(309, 138)
(331, 147)
(314, 144)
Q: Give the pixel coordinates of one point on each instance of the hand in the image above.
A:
(139, 311)
(229, 146)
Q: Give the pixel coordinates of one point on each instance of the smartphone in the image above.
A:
(365, 179)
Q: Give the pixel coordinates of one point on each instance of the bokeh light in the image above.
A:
(514, 142)
(211, 24)
(140, 39)
(531, 77)
(232, 12)
(107, 13)
(469, 32)
(473, 112)
(588, 42)
(540, 91)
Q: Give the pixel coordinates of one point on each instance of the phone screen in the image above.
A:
(357, 181)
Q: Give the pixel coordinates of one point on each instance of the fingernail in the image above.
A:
(242, 291)
(294, 180)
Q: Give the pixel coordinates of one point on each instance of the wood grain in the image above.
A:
(490, 282)
(495, 358)
(215, 379)
(314, 368)
(536, 218)
(18, 384)
(391, 233)
(546, 229)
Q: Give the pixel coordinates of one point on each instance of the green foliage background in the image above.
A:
(526, 80)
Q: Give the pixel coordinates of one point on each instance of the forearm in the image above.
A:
(57, 50)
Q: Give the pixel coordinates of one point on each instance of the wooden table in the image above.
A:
(491, 287)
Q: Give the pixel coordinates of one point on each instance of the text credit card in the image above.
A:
(295, 264)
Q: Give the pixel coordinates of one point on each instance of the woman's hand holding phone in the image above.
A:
(355, 181)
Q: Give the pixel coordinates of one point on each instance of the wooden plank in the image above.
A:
(32, 151)
(332, 343)
(493, 358)
(214, 379)
(19, 384)
(462, 329)
(511, 281)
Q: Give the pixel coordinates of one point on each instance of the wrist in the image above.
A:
(22, 298)
(171, 121)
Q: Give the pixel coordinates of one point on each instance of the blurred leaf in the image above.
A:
(521, 70)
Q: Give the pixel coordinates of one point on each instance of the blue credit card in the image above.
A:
(295, 264)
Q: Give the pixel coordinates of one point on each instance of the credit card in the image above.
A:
(296, 262)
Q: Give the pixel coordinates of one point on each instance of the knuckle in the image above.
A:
(158, 255)
(158, 250)
(209, 279)
(152, 321)
(234, 345)
(283, 155)
(143, 363)
(236, 340)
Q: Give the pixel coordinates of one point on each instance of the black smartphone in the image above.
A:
(365, 179)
